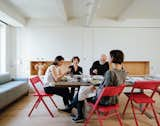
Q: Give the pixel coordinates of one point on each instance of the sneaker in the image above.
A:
(78, 119)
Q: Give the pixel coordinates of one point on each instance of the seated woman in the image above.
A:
(52, 75)
(113, 77)
(75, 70)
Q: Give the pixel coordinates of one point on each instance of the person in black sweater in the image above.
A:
(100, 67)
(75, 69)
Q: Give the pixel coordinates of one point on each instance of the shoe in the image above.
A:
(72, 115)
(68, 110)
(78, 119)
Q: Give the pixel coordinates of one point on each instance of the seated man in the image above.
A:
(100, 67)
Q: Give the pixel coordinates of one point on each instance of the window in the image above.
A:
(2, 48)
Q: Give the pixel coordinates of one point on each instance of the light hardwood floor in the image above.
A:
(16, 115)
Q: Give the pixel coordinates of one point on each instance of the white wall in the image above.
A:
(137, 43)
(44, 43)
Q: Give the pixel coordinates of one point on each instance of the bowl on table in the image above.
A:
(64, 78)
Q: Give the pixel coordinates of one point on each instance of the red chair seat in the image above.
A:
(140, 98)
(42, 93)
(105, 108)
(108, 108)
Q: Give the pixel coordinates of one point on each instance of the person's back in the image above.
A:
(117, 77)
(48, 77)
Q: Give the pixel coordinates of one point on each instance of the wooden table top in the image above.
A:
(72, 84)
(77, 84)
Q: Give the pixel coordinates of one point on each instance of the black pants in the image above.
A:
(63, 92)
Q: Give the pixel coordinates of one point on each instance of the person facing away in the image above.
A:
(113, 77)
(75, 69)
(53, 74)
(99, 67)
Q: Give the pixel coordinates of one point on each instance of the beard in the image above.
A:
(101, 63)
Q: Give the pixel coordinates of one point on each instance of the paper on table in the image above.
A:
(133, 79)
(85, 92)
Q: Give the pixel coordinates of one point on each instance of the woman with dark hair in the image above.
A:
(113, 77)
(75, 69)
(52, 75)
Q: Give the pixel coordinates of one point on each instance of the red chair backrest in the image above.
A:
(147, 84)
(113, 90)
(110, 91)
(35, 81)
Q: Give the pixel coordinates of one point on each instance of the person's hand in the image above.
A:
(65, 73)
(68, 71)
(95, 71)
(92, 87)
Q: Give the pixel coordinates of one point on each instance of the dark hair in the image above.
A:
(76, 57)
(57, 59)
(117, 56)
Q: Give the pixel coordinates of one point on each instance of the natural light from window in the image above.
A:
(2, 48)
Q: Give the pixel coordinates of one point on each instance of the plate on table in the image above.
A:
(77, 76)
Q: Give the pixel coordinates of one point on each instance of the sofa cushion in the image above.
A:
(11, 85)
(11, 91)
(4, 78)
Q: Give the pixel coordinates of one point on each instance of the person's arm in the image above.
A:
(56, 76)
(93, 68)
(107, 79)
(81, 70)
(70, 71)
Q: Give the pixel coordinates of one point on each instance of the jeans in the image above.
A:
(79, 104)
(72, 92)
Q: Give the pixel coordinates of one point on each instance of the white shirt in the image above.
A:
(48, 78)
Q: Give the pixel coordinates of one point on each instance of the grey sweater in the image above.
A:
(112, 77)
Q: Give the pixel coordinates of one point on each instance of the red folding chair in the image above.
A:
(40, 94)
(142, 98)
(107, 91)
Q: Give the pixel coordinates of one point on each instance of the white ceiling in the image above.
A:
(112, 8)
(88, 10)
(36, 8)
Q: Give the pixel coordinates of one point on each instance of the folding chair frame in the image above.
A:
(107, 91)
(40, 94)
(143, 85)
